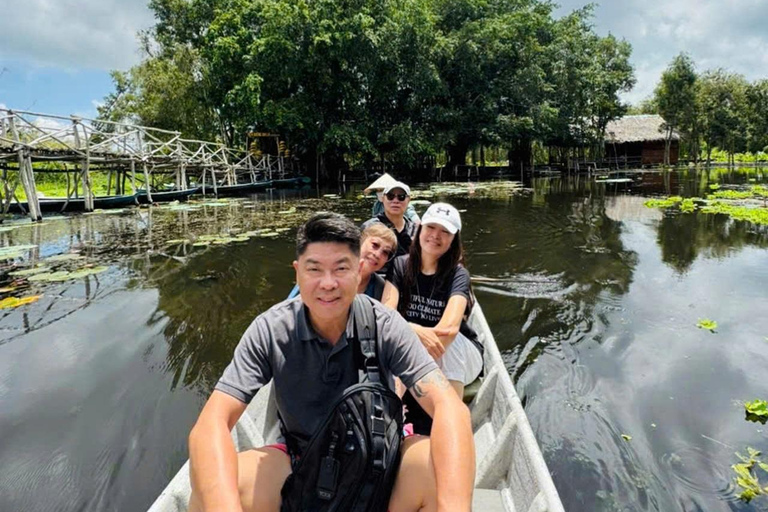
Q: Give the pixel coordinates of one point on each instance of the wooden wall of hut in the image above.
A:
(649, 152)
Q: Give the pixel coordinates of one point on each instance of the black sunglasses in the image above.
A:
(400, 197)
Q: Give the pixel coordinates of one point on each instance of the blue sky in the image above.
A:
(55, 55)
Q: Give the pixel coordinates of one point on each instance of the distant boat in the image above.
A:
(291, 182)
(234, 190)
(62, 204)
(164, 197)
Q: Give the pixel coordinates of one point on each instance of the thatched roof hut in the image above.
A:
(639, 140)
(642, 128)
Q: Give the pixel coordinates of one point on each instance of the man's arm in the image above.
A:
(212, 455)
(452, 444)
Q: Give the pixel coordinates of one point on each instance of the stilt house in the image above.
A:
(639, 140)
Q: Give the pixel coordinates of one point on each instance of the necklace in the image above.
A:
(432, 288)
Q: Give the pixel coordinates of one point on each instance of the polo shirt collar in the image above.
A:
(304, 329)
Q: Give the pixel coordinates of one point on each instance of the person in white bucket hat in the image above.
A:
(430, 287)
(397, 198)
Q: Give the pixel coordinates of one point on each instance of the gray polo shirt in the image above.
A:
(309, 373)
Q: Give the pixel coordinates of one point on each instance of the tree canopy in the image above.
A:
(362, 80)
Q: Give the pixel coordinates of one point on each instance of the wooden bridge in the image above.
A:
(31, 143)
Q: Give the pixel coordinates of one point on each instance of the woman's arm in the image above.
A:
(448, 326)
(391, 296)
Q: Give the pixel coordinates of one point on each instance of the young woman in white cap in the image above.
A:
(430, 287)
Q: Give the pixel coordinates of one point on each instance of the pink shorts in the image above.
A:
(278, 446)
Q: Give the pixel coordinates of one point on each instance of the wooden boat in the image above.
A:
(235, 190)
(164, 197)
(511, 473)
(291, 182)
(61, 204)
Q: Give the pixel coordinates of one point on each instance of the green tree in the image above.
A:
(676, 98)
(722, 98)
(757, 116)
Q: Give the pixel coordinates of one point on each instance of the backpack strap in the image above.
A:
(365, 337)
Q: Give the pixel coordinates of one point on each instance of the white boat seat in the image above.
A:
(487, 500)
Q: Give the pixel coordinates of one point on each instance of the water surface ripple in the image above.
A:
(593, 299)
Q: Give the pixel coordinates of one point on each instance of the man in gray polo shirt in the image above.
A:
(302, 345)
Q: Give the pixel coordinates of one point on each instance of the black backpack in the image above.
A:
(351, 461)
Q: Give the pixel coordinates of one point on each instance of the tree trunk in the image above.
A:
(519, 154)
(457, 154)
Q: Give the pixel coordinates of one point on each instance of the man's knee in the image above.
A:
(415, 487)
(261, 474)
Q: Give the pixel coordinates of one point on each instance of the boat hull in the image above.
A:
(165, 197)
(51, 204)
(236, 190)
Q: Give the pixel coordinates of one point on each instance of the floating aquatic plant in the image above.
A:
(746, 475)
(63, 275)
(15, 302)
(64, 257)
(29, 271)
(706, 323)
(714, 186)
(14, 251)
(663, 203)
(757, 408)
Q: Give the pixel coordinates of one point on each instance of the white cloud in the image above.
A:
(73, 34)
(730, 34)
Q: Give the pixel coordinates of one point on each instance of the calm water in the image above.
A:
(593, 299)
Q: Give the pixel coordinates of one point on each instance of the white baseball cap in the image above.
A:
(400, 185)
(444, 215)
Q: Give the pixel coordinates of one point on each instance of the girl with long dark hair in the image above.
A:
(430, 287)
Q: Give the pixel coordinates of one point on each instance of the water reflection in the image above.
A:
(593, 299)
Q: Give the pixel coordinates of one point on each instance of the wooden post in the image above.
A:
(133, 175)
(84, 166)
(146, 182)
(27, 181)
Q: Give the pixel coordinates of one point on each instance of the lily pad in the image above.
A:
(269, 234)
(282, 230)
(63, 275)
(203, 243)
(29, 271)
(49, 277)
(289, 211)
(15, 302)
(14, 251)
(87, 271)
(64, 257)
(176, 241)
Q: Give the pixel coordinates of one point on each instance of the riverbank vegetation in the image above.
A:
(377, 83)
(718, 115)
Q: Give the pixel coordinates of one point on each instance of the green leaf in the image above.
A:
(705, 323)
(29, 271)
(757, 407)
